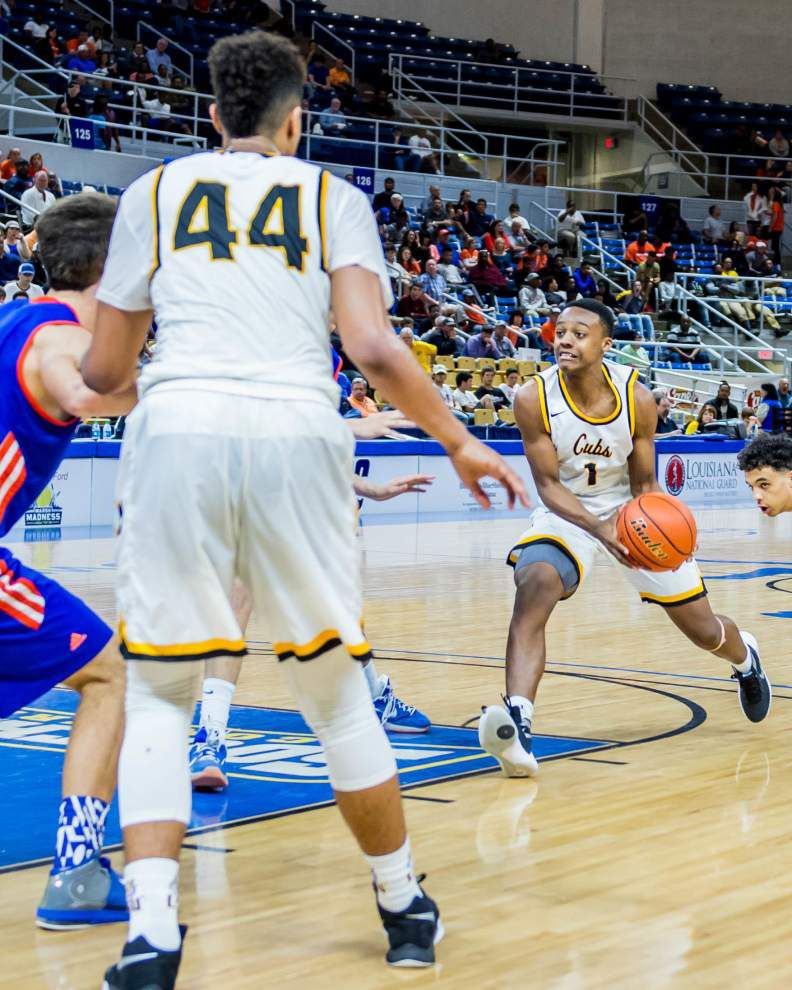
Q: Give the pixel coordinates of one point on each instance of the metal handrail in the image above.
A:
(398, 76)
(337, 40)
(151, 29)
(102, 17)
(679, 156)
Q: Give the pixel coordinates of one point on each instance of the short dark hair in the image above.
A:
(73, 237)
(511, 371)
(257, 78)
(464, 376)
(773, 450)
(605, 313)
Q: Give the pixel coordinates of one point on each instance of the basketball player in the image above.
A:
(767, 463)
(48, 636)
(208, 752)
(588, 433)
(231, 469)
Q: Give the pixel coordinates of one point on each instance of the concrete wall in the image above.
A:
(538, 28)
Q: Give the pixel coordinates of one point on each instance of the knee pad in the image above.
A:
(153, 771)
(334, 698)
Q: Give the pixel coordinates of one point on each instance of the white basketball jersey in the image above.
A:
(592, 453)
(233, 251)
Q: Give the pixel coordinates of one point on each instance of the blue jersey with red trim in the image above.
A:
(32, 444)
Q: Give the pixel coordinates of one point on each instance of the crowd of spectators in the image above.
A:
(32, 185)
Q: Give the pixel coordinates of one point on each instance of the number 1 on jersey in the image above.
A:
(203, 219)
(591, 470)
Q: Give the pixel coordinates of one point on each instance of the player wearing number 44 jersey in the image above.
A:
(236, 464)
(588, 430)
(48, 636)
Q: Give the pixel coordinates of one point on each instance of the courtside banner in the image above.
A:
(703, 479)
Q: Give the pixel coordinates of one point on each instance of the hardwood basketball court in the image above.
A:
(658, 859)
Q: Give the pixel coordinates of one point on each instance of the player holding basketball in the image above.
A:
(767, 463)
(230, 470)
(588, 431)
(47, 636)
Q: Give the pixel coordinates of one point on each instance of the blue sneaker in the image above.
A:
(89, 894)
(412, 933)
(396, 715)
(143, 966)
(207, 762)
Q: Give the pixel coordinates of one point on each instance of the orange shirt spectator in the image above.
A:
(8, 167)
(547, 331)
(777, 216)
(638, 251)
(359, 400)
(338, 75)
(469, 257)
(471, 310)
(82, 39)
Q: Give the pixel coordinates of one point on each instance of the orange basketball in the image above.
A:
(658, 530)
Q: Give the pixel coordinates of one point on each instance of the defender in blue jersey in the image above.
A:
(47, 636)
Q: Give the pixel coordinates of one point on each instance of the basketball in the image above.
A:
(658, 530)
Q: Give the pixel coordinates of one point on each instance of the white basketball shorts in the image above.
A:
(215, 486)
(667, 588)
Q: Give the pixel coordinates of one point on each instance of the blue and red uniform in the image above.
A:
(46, 634)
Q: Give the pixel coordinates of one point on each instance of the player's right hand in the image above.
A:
(382, 424)
(606, 534)
(473, 461)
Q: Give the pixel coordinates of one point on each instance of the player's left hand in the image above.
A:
(382, 424)
(401, 486)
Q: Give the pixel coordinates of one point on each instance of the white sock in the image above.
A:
(216, 705)
(152, 887)
(373, 679)
(526, 707)
(394, 878)
(747, 663)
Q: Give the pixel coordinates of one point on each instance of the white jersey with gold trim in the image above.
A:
(234, 250)
(592, 453)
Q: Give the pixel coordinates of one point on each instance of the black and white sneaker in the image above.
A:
(412, 933)
(504, 734)
(755, 692)
(142, 966)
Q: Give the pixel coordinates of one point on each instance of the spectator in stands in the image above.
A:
(480, 345)
(339, 78)
(434, 216)
(570, 222)
(501, 341)
(18, 183)
(439, 375)
(668, 295)
(634, 354)
(333, 121)
(487, 277)
(413, 303)
(516, 216)
(547, 330)
(648, 274)
(705, 416)
(37, 199)
(531, 298)
(8, 165)
(444, 337)
(552, 291)
(106, 66)
(15, 252)
(633, 300)
(82, 40)
(777, 222)
(34, 29)
(722, 403)
(424, 353)
(381, 106)
(757, 257)
(638, 250)
(141, 71)
(80, 61)
(420, 148)
(683, 343)
(428, 201)
(714, 230)
(470, 310)
(666, 427)
(407, 262)
(478, 220)
(24, 283)
(487, 389)
(450, 272)
(495, 230)
(510, 386)
(501, 257)
(570, 293)
(359, 400)
(739, 305)
(769, 411)
(432, 282)
(318, 74)
(50, 47)
(604, 294)
(469, 255)
(383, 198)
(749, 425)
(517, 240)
(778, 145)
(464, 397)
(398, 150)
(585, 281)
(388, 216)
(634, 221)
(161, 78)
(784, 393)
(755, 209)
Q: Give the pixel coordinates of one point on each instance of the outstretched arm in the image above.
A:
(391, 489)
(57, 354)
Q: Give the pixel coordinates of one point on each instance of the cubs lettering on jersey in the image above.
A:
(592, 453)
(242, 231)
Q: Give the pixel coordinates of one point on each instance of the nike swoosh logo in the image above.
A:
(553, 415)
(426, 916)
(125, 961)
